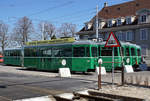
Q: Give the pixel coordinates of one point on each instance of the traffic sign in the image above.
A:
(112, 41)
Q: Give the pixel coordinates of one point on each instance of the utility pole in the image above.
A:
(22, 54)
(97, 22)
(43, 31)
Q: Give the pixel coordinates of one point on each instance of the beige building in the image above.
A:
(130, 22)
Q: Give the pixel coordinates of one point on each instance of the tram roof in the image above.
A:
(79, 42)
(128, 43)
(13, 48)
(46, 45)
(121, 42)
(84, 42)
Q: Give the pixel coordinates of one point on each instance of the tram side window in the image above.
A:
(79, 52)
(127, 52)
(133, 51)
(123, 51)
(99, 51)
(19, 53)
(47, 53)
(30, 52)
(66, 52)
(27, 52)
(94, 51)
(40, 51)
(116, 51)
(6, 53)
(55, 52)
(11, 53)
(15, 53)
(33, 52)
(87, 51)
(139, 52)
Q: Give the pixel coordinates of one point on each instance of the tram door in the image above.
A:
(139, 55)
(133, 55)
(127, 57)
(79, 59)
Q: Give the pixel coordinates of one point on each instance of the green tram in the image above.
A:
(129, 53)
(12, 57)
(78, 56)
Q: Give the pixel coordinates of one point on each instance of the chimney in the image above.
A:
(105, 4)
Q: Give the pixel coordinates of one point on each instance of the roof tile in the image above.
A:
(124, 9)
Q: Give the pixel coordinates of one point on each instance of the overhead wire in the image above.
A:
(75, 16)
(51, 8)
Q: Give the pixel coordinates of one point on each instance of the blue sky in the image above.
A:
(56, 11)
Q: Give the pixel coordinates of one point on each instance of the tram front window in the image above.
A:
(139, 52)
(127, 52)
(133, 51)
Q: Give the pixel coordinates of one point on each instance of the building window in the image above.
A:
(119, 36)
(100, 35)
(143, 18)
(128, 20)
(144, 50)
(119, 22)
(143, 34)
(110, 23)
(86, 27)
(129, 36)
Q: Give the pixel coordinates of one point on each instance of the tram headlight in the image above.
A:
(63, 62)
(100, 61)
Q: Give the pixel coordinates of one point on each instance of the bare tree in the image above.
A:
(3, 35)
(67, 30)
(47, 29)
(73, 30)
(23, 30)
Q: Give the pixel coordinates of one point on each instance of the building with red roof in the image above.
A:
(130, 21)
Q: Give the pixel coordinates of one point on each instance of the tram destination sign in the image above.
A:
(112, 41)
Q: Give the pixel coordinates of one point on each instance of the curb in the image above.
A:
(42, 98)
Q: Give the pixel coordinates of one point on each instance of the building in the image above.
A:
(130, 21)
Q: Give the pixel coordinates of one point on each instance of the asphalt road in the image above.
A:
(16, 86)
(17, 83)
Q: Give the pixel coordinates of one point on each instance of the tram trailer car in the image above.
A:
(131, 55)
(78, 56)
(12, 57)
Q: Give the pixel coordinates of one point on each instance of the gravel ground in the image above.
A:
(132, 91)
